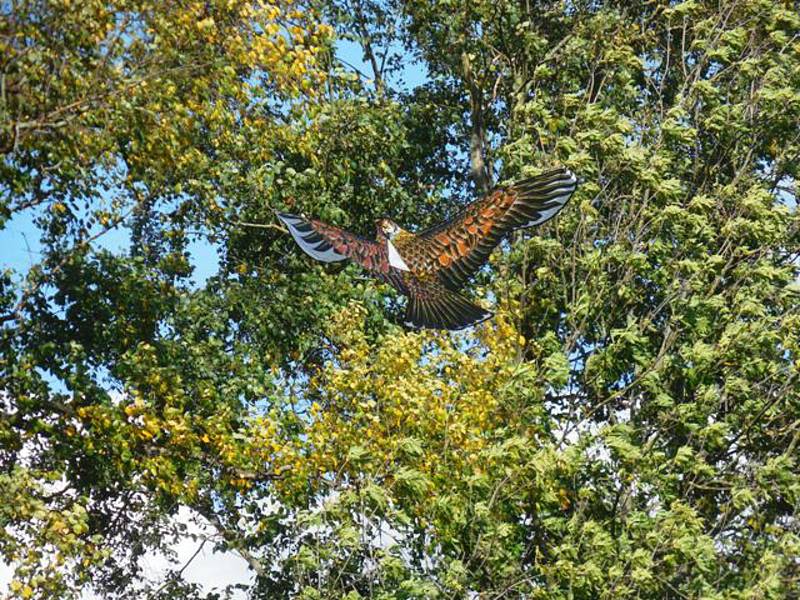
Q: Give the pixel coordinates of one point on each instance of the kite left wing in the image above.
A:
(327, 243)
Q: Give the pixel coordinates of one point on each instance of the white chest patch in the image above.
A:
(395, 259)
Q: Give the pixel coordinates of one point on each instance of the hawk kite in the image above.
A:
(430, 267)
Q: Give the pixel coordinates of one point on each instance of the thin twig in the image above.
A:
(259, 225)
(177, 575)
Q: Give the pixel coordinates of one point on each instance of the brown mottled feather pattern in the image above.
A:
(370, 255)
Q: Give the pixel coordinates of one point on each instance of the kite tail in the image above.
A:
(445, 310)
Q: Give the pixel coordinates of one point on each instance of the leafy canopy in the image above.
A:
(627, 426)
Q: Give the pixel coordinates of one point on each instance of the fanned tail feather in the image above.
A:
(445, 310)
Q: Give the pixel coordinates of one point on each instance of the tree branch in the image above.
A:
(477, 138)
(366, 44)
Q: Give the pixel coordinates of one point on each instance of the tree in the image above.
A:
(628, 424)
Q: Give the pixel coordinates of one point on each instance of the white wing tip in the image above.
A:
(308, 245)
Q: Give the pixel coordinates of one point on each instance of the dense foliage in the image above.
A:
(627, 426)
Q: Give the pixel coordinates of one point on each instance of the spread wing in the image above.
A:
(457, 248)
(327, 243)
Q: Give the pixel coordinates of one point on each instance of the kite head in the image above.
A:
(388, 228)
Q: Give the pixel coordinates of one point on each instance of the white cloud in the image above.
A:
(6, 572)
(210, 569)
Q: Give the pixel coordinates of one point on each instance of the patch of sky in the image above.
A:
(20, 246)
(412, 72)
(786, 192)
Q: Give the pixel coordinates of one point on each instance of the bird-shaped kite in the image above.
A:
(430, 267)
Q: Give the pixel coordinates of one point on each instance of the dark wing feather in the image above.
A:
(457, 248)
